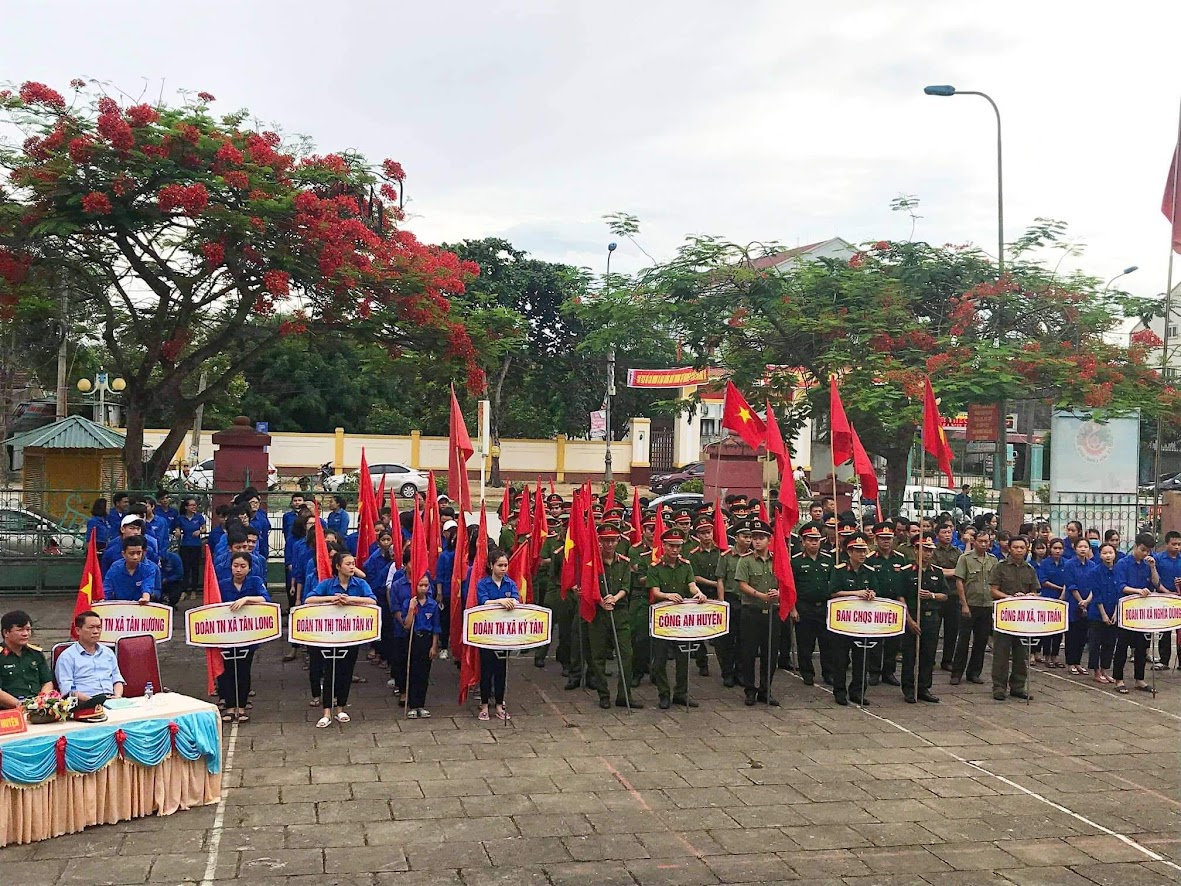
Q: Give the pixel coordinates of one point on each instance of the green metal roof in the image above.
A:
(72, 432)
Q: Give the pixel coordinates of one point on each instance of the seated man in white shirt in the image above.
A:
(87, 668)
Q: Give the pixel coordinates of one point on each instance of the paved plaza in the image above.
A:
(1079, 787)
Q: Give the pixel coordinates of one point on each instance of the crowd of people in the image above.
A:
(947, 574)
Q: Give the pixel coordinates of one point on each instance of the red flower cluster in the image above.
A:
(393, 170)
(96, 203)
(39, 94)
(113, 127)
(172, 348)
(237, 179)
(389, 192)
(142, 115)
(215, 254)
(13, 267)
(1147, 338)
(122, 184)
(228, 155)
(857, 260)
(81, 149)
(277, 282)
(1099, 395)
(192, 199)
(206, 97)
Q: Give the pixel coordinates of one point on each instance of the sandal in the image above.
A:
(1074, 670)
(227, 717)
(342, 717)
(1121, 689)
(1144, 688)
(412, 714)
(503, 715)
(323, 723)
(243, 718)
(314, 703)
(357, 679)
(483, 715)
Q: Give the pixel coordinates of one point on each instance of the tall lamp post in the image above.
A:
(1001, 456)
(101, 384)
(607, 476)
(1131, 269)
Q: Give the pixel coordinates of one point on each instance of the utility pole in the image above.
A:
(607, 475)
(195, 443)
(62, 342)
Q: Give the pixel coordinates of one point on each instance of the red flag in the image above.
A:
(789, 501)
(781, 566)
(590, 572)
(505, 504)
(469, 665)
(551, 487)
(524, 515)
(458, 572)
(737, 416)
(215, 665)
(934, 440)
(763, 515)
(720, 536)
(1171, 204)
(637, 531)
(396, 527)
(842, 431)
(657, 532)
(366, 511)
(380, 496)
(459, 450)
(90, 588)
(863, 467)
(323, 561)
(419, 559)
(540, 528)
(610, 502)
(433, 524)
(570, 554)
(518, 571)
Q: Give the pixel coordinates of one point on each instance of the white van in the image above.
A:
(928, 501)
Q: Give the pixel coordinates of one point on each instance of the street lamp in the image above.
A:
(102, 383)
(607, 477)
(1000, 458)
(1128, 270)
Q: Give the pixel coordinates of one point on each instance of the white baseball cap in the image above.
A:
(129, 520)
(450, 524)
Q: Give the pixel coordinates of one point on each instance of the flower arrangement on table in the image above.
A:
(48, 707)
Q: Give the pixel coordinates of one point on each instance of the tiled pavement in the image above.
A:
(1079, 787)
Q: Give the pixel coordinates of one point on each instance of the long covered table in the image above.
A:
(150, 758)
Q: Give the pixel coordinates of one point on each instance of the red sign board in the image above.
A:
(12, 721)
(981, 423)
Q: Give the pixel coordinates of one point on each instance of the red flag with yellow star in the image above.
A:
(934, 440)
(737, 416)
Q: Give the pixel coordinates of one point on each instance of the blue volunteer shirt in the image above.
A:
(190, 530)
(444, 570)
(1080, 577)
(289, 518)
(160, 529)
(253, 586)
(339, 521)
(1129, 573)
(398, 593)
(171, 567)
(258, 566)
(1053, 571)
(377, 569)
(216, 536)
(101, 528)
(1169, 569)
(426, 615)
(114, 551)
(262, 523)
(488, 590)
(119, 584)
(357, 587)
(1104, 590)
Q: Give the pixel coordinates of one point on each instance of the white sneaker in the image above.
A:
(443, 656)
(424, 713)
(391, 683)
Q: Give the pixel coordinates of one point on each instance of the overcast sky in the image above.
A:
(750, 120)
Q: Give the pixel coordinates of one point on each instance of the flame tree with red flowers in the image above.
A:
(182, 232)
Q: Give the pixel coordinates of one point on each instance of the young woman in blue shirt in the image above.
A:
(238, 588)
(495, 587)
(344, 588)
(1051, 575)
(1080, 580)
(422, 618)
(99, 523)
(1101, 628)
(189, 526)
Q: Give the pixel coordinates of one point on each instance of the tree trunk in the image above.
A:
(133, 444)
(896, 477)
(143, 474)
(494, 420)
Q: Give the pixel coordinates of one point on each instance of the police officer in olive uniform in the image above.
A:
(894, 576)
(852, 577)
(544, 584)
(924, 595)
(703, 556)
(641, 559)
(671, 580)
(614, 599)
(759, 615)
(729, 646)
(812, 569)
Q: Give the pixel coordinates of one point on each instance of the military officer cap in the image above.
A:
(703, 521)
(927, 542)
(847, 529)
(673, 535)
(683, 516)
(608, 531)
(552, 498)
(857, 541)
(741, 526)
(883, 530)
(613, 512)
(830, 522)
(649, 521)
(811, 530)
(758, 527)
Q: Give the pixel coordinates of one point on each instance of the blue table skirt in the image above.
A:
(32, 761)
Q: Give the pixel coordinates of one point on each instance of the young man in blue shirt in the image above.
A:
(132, 579)
(1168, 567)
(338, 517)
(1135, 575)
(132, 527)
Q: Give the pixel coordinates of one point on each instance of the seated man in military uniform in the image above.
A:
(24, 673)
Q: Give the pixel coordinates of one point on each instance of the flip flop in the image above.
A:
(243, 718)
(1144, 688)
(1122, 690)
(227, 718)
(483, 715)
(323, 723)
(342, 717)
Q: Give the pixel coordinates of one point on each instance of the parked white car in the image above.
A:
(200, 476)
(406, 481)
(928, 501)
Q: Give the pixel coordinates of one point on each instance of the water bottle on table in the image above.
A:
(149, 691)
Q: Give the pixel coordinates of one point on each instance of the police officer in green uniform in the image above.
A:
(703, 556)
(507, 540)
(852, 577)
(729, 646)
(924, 594)
(544, 583)
(894, 576)
(759, 615)
(671, 580)
(812, 569)
(614, 599)
(641, 558)
(24, 673)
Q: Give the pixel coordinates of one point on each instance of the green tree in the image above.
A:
(181, 233)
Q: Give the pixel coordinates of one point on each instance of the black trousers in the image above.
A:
(321, 672)
(192, 557)
(1076, 639)
(1101, 644)
(950, 615)
(1138, 641)
(420, 668)
(1050, 645)
(493, 673)
(811, 631)
(1165, 647)
(974, 630)
(754, 645)
(884, 657)
(928, 645)
(445, 622)
(848, 667)
(233, 686)
(396, 653)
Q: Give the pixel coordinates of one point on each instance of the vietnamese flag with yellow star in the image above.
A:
(737, 416)
(934, 440)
